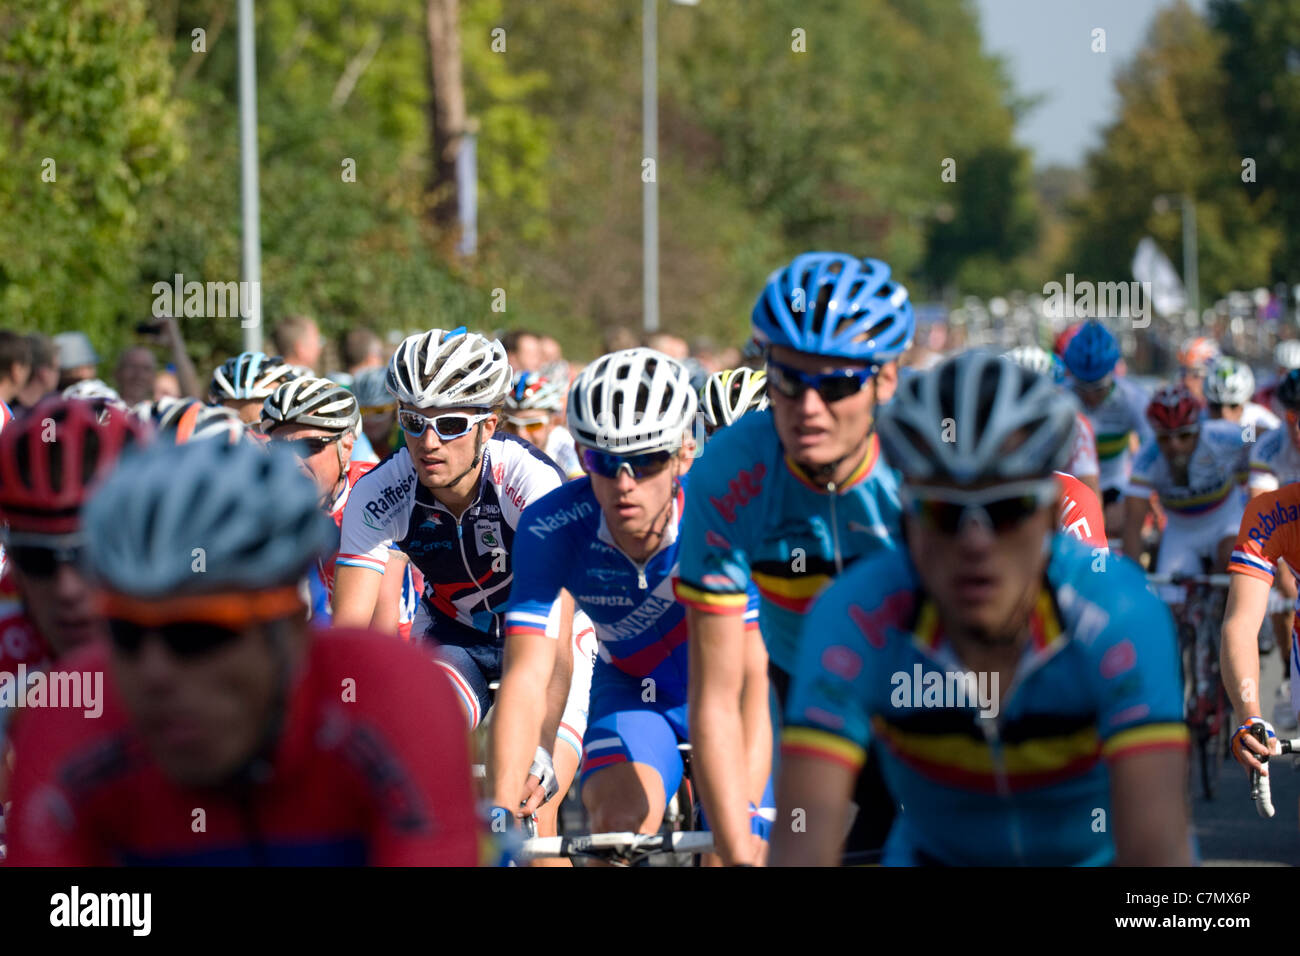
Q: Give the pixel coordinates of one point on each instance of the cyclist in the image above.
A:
(1116, 409)
(530, 413)
(307, 746)
(1083, 463)
(378, 411)
(611, 540)
(178, 420)
(1228, 388)
(245, 381)
(318, 419)
(1197, 470)
(1080, 718)
(787, 498)
(1274, 462)
(450, 500)
(1286, 356)
(1194, 360)
(728, 394)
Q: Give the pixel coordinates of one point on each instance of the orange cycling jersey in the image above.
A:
(1270, 529)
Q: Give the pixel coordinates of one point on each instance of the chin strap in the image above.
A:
(856, 453)
(478, 458)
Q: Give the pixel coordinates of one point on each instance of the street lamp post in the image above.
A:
(1191, 276)
(248, 205)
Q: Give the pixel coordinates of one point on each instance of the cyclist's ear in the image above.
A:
(685, 456)
(886, 382)
(490, 423)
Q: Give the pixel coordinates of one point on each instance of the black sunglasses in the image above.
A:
(831, 386)
(307, 447)
(37, 561)
(185, 640)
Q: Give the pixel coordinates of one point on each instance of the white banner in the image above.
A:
(1151, 267)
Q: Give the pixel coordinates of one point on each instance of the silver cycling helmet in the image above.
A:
(219, 422)
(94, 390)
(250, 375)
(205, 517)
(728, 394)
(317, 402)
(438, 369)
(1230, 382)
(632, 402)
(974, 417)
(371, 389)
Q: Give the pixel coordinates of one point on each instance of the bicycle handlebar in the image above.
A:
(1260, 790)
(616, 844)
(1214, 580)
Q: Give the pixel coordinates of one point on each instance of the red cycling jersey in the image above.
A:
(1081, 513)
(19, 641)
(380, 776)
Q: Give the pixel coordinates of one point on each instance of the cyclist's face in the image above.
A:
(978, 578)
(324, 466)
(249, 409)
(439, 462)
(634, 507)
(816, 433)
(1177, 446)
(201, 718)
(536, 426)
(61, 607)
(1194, 379)
(1230, 413)
(379, 426)
(1093, 394)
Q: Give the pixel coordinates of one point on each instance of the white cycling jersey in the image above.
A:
(1274, 461)
(560, 448)
(1253, 414)
(1083, 452)
(1121, 413)
(1206, 508)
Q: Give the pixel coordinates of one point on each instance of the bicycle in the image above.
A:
(1205, 701)
(1261, 790)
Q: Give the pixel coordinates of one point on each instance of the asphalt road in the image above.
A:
(1229, 831)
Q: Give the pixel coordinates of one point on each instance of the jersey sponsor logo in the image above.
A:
(1118, 659)
(606, 600)
(423, 547)
(487, 510)
(741, 490)
(514, 494)
(487, 536)
(641, 619)
(715, 540)
(389, 497)
(842, 662)
(872, 624)
(543, 524)
(605, 575)
(1269, 521)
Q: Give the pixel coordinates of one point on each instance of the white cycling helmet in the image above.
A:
(94, 390)
(1287, 354)
(250, 375)
(254, 514)
(438, 369)
(1230, 382)
(1038, 360)
(976, 416)
(728, 394)
(533, 392)
(632, 402)
(317, 402)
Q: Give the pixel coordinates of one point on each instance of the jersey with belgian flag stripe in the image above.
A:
(753, 515)
(990, 779)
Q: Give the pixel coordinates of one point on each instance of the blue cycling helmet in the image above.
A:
(830, 303)
(1092, 353)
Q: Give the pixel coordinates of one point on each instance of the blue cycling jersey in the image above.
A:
(563, 542)
(753, 515)
(1027, 782)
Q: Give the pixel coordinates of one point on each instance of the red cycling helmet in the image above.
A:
(52, 456)
(1173, 407)
(1063, 339)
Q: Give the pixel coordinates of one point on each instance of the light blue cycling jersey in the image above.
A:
(751, 514)
(1027, 783)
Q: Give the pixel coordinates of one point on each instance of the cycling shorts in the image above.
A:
(1188, 546)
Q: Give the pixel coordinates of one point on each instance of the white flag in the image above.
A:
(1150, 266)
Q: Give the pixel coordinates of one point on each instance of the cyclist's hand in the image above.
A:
(1247, 749)
(541, 785)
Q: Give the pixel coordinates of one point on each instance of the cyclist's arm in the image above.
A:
(1148, 801)
(717, 678)
(1093, 482)
(356, 595)
(1136, 510)
(812, 799)
(388, 602)
(756, 715)
(1239, 656)
(520, 712)
(557, 691)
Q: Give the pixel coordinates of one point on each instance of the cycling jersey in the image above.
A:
(1259, 418)
(751, 514)
(1274, 460)
(20, 643)
(382, 779)
(560, 448)
(1083, 450)
(1081, 514)
(1121, 413)
(323, 596)
(466, 563)
(1098, 681)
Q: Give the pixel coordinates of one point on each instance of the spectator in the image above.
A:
(618, 338)
(44, 377)
(297, 339)
(706, 353)
(549, 348)
(135, 374)
(77, 358)
(15, 365)
(523, 350)
(361, 349)
(671, 345)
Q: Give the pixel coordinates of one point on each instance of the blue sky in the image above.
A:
(1047, 46)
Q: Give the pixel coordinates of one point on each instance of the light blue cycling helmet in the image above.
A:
(250, 375)
(830, 303)
(1092, 353)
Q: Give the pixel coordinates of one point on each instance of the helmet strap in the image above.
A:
(478, 457)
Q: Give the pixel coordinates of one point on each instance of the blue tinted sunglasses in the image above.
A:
(831, 386)
(605, 465)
